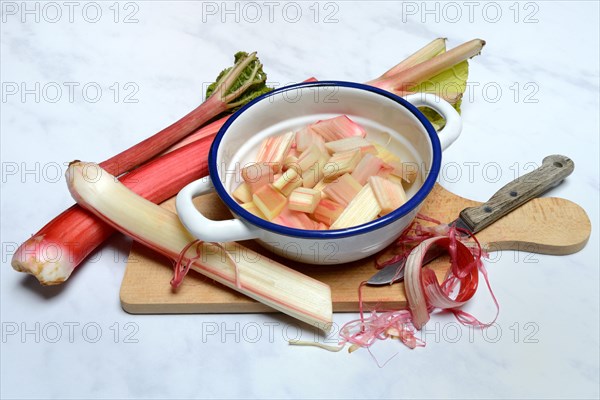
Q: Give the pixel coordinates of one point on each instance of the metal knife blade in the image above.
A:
(395, 272)
(553, 171)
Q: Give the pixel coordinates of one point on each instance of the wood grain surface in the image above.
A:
(543, 225)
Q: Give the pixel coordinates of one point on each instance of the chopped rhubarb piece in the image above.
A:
(386, 171)
(306, 137)
(314, 173)
(274, 149)
(362, 209)
(368, 150)
(242, 193)
(289, 161)
(295, 219)
(390, 177)
(338, 128)
(407, 171)
(308, 157)
(253, 209)
(288, 181)
(327, 211)
(320, 186)
(304, 200)
(385, 154)
(351, 143)
(322, 227)
(368, 166)
(343, 189)
(257, 175)
(269, 201)
(389, 195)
(341, 163)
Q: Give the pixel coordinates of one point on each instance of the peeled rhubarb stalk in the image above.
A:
(254, 275)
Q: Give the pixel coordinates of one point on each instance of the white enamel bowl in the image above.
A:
(389, 120)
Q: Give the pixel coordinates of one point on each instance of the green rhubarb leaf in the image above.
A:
(252, 77)
(450, 85)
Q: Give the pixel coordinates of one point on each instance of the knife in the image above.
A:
(553, 170)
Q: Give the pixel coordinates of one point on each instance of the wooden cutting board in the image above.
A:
(544, 225)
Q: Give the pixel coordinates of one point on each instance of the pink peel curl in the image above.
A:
(182, 266)
(363, 332)
(424, 292)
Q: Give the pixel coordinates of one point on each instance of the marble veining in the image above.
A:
(533, 92)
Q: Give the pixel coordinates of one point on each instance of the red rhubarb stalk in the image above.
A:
(229, 92)
(54, 252)
(208, 130)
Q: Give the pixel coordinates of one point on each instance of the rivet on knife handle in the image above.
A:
(553, 170)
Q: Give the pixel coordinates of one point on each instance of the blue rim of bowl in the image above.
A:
(406, 208)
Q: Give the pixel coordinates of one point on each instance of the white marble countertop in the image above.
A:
(534, 91)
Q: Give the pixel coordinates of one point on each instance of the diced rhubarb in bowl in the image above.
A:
(330, 175)
(322, 172)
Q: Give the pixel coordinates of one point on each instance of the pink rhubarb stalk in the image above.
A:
(401, 82)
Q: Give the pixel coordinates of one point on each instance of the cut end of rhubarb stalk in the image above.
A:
(43, 260)
(241, 83)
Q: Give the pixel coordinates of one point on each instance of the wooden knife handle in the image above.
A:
(553, 170)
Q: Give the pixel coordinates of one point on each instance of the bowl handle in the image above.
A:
(206, 229)
(453, 127)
